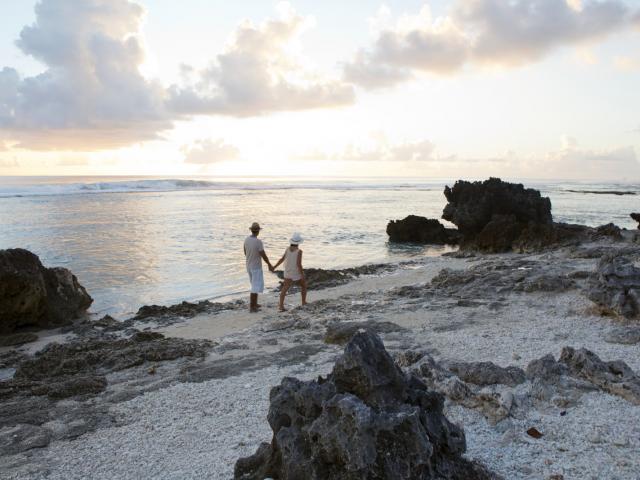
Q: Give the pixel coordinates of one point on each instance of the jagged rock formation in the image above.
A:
(491, 404)
(34, 296)
(415, 229)
(615, 286)
(366, 420)
(501, 392)
(636, 217)
(492, 215)
(592, 373)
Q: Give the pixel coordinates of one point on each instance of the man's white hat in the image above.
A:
(296, 238)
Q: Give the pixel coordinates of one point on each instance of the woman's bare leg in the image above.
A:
(303, 291)
(283, 293)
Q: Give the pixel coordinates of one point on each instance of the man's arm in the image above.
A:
(266, 259)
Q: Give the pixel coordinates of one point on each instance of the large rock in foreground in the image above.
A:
(423, 230)
(366, 420)
(32, 295)
(615, 286)
(492, 215)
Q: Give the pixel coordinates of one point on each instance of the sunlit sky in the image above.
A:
(444, 88)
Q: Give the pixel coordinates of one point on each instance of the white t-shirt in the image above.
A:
(252, 247)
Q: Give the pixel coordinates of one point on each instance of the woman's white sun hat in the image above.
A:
(296, 239)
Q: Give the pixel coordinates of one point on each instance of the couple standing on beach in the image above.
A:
(292, 259)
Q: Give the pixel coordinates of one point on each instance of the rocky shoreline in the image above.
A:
(531, 358)
(511, 341)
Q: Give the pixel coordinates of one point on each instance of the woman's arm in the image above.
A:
(280, 261)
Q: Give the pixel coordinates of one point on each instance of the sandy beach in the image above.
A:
(194, 417)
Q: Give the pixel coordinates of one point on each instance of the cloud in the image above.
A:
(618, 163)
(9, 163)
(208, 151)
(574, 162)
(514, 33)
(478, 32)
(257, 74)
(626, 64)
(91, 94)
(383, 151)
(73, 161)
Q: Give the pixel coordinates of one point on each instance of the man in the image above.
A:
(254, 254)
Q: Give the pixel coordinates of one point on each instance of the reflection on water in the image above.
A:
(131, 249)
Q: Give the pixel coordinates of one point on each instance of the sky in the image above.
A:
(442, 88)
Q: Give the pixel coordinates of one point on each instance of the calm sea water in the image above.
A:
(136, 241)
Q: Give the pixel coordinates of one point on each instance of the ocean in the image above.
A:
(135, 241)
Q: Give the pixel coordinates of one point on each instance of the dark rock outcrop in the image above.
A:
(184, 310)
(34, 296)
(609, 230)
(615, 286)
(341, 332)
(17, 339)
(79, 367)
(415, 229)
(495, 216)
(493, 212)
(487, 373)
(320, 278)
(636, 217)
(366, 420)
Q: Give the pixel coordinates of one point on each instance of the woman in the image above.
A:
(293, 271)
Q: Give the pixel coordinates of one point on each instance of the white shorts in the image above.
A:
(257, 280)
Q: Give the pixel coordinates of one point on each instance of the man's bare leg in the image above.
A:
(253, 302)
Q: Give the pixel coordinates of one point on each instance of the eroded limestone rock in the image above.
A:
(366, 420)
(615, 286)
